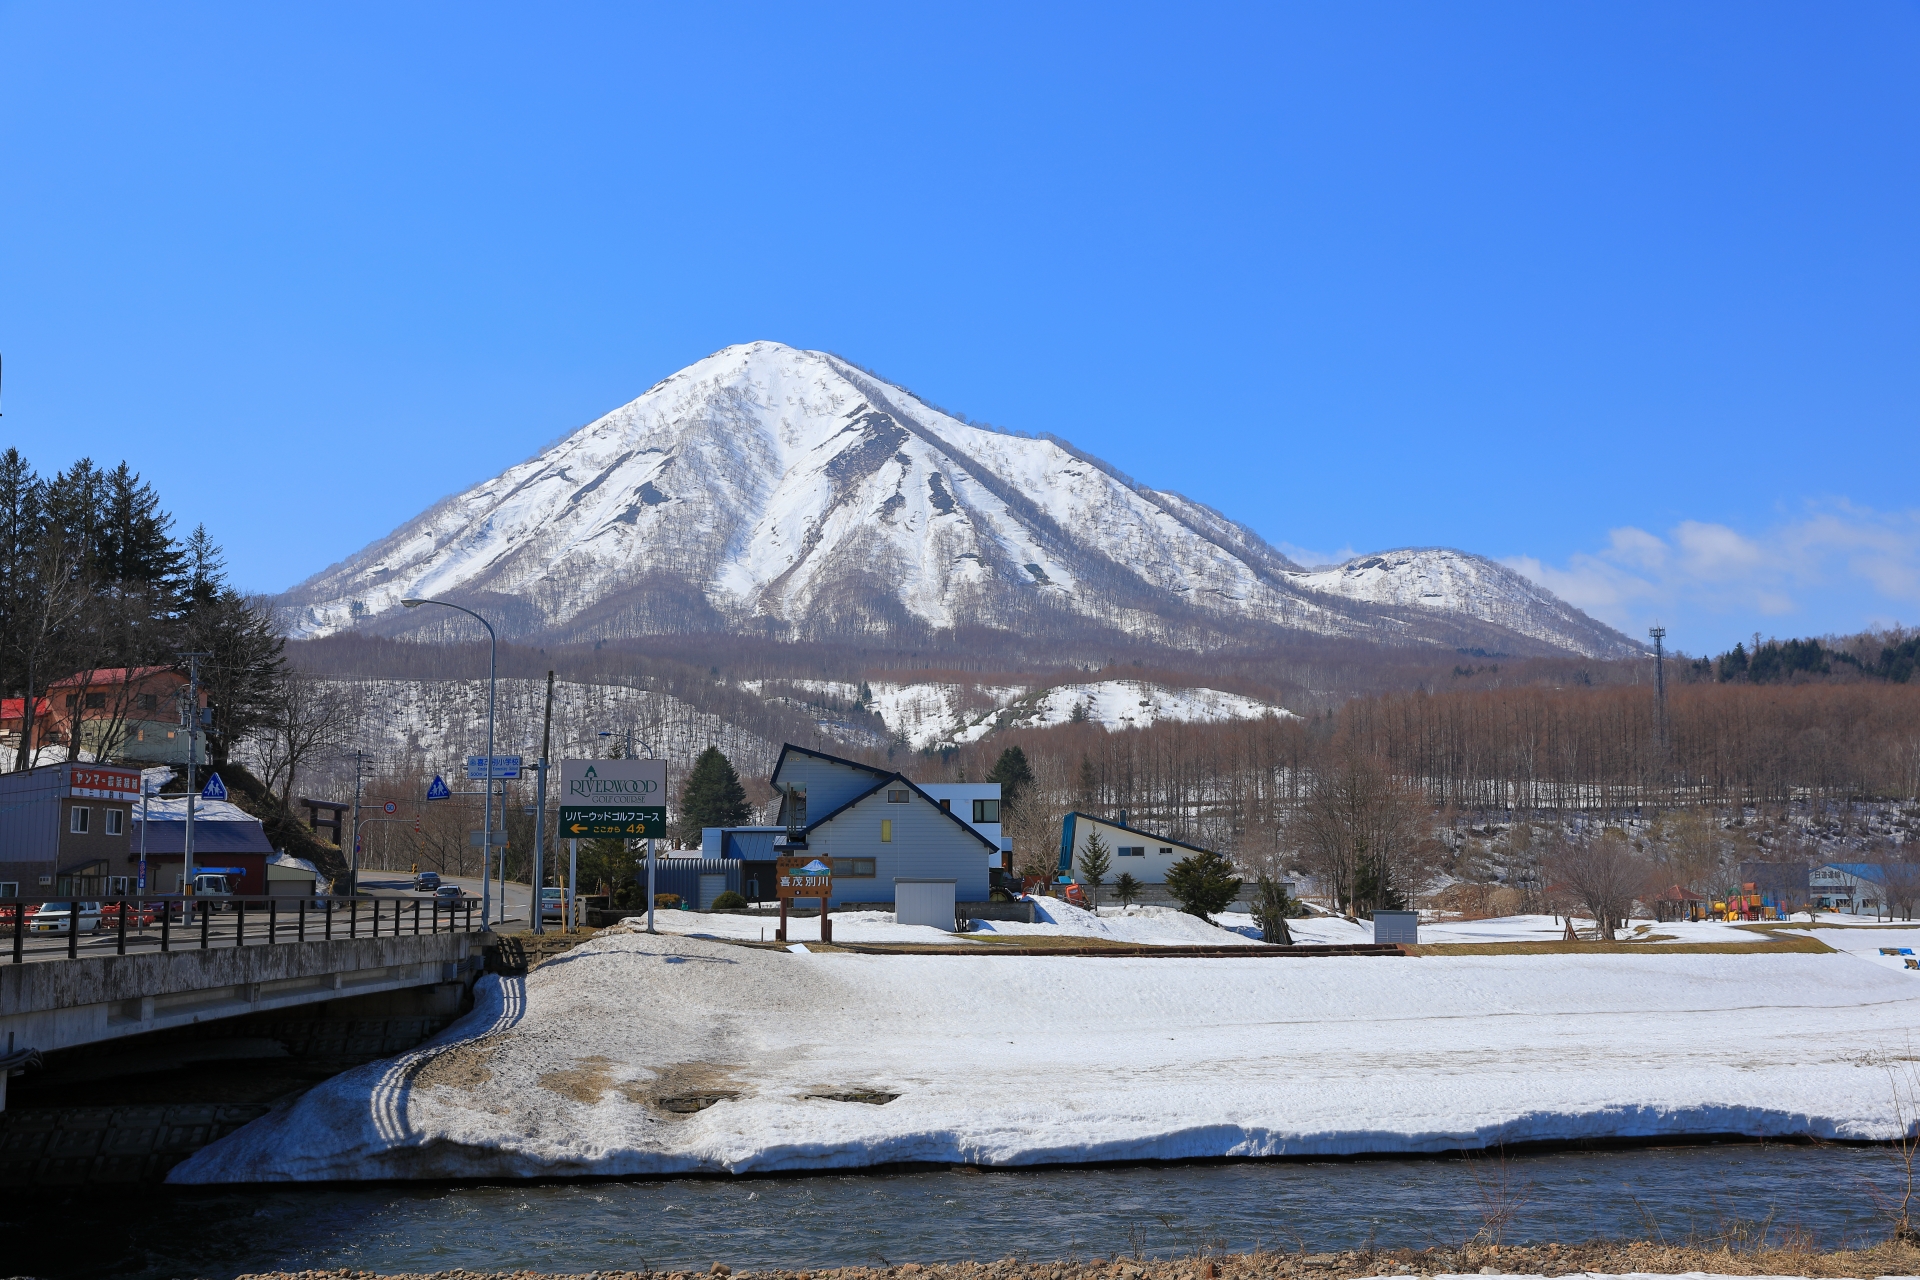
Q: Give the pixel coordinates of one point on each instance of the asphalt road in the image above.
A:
(388, 884)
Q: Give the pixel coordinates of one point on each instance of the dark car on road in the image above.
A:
(426, 882)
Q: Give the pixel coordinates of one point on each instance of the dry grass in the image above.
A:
(1774, 945)
(1608, 1258)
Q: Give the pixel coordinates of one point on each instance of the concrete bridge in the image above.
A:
(48, 1007)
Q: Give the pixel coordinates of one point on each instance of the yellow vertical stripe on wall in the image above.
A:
(886, 831)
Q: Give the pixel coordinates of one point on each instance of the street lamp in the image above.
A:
(486, 787)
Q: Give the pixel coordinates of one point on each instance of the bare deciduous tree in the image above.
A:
(1361, 832)
(1601, 874)
(307, 719)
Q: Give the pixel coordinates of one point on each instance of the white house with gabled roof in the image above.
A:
(875, 826)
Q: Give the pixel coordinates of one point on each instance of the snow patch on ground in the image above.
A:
(643, 1054)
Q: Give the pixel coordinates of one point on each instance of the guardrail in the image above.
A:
(172, 922)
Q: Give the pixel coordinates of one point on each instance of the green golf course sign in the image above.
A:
(601, 798)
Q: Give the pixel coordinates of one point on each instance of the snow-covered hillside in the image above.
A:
(1451, 582)
(933, 713)
(431, 726)
(791, 494)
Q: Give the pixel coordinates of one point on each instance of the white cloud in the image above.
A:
(1312, 559)
(1834, 567)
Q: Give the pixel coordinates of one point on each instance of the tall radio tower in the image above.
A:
(1659, 635)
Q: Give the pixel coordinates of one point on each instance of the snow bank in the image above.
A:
(598, 1061)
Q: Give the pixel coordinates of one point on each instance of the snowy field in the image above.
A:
(604, 1061)
(1152, 926)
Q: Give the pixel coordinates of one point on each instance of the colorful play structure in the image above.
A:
(1748, 902)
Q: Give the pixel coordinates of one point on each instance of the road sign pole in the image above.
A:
(573, 883)
(649, 884)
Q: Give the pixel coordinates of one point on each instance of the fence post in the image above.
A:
(240, 922)
(19, 930)
(416, 917)
(303, 919)
(353, 917)
(206, 919)
(73, 926)
(273, 920)
(166, 927)
(329, 933)
(120, 947)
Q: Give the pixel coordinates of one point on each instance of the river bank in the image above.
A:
(1592, 1259)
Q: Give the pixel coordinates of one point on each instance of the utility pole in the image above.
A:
(192, 719)
(540, 815)
(353, 854)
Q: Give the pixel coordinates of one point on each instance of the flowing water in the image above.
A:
(1833, 1195)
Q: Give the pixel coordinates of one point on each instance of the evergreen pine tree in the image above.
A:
(1095, 861)
(1014, 775)
(711, 796)
(1203, 883)
(1126, 888)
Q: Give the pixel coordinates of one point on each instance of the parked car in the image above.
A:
(553, 904)
(426, 882)
(57, 917)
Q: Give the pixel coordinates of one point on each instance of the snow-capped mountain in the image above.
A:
(790, 493)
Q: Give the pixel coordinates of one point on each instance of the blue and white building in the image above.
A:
(877, 828)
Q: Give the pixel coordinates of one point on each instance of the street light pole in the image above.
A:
(486, 787)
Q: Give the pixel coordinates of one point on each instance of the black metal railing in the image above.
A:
(161, 921)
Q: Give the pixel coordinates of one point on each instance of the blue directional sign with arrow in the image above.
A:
(438, 789)
(214, 790)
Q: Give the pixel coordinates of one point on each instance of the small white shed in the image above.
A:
(928, 902)
(291, 877)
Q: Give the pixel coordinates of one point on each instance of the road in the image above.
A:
(389, 884)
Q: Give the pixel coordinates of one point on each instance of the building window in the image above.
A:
(1165, 852)
(148, 702)
(1131, 851)
(850, 868)
(116, 819)
(886, 831)
(77, 818)
(9, 888)
(897, 795)
(73, 700)
(96, 702)
(986, 811)
(119, 886)
(946, 806)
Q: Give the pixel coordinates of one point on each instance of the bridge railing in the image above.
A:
(174, 922)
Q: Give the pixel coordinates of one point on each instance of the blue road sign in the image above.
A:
(437, 790)
(214, 790)
(503, 767)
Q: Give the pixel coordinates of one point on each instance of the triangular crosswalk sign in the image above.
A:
(214, 790)
(438, 790)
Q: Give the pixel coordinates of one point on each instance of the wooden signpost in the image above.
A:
(803, 877)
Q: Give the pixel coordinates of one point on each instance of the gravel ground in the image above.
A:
(1638, 1258)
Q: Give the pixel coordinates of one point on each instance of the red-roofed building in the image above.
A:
(119, 713)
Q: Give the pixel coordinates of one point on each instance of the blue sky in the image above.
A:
(1626, 295)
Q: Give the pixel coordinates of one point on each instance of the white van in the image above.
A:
(57, 917)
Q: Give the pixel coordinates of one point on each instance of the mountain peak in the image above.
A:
(790, 493)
